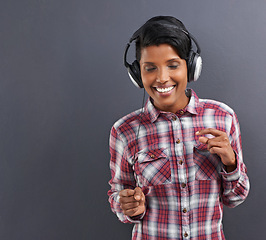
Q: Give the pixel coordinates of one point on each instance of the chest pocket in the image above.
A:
(207, 166)
(153, 167)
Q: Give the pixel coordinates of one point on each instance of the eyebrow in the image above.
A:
(174, 59)
(170, 60)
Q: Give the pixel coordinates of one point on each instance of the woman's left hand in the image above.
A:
(219, 145)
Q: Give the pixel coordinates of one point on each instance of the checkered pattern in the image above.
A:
(185, 186)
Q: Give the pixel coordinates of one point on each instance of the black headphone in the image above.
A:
(194, 61)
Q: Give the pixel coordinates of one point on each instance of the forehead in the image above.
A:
(158, 53)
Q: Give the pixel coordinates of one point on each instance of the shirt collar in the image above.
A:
(192, 106)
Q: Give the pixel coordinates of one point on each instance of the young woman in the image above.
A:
(177, 161)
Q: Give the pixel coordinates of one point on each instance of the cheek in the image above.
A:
(180, 76)
(147, 79)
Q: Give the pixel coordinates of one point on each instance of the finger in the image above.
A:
(128, 206)
(125, 200)
(204, 140)
(216, 150)
(222, 142)
(126, 193)
(211, 131)
(227, 156)
(138, 195)
(130, 212)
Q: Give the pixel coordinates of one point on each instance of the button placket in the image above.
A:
(177, 130)
(181, 171)
(174, 118)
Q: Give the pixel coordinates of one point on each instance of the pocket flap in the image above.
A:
(154, 154)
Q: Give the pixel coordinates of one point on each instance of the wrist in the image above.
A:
(230, 168)
(136, 217)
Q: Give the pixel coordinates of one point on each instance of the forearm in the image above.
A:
(235, 186)
(236, 183)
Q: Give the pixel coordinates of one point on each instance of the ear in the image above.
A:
(135, 74)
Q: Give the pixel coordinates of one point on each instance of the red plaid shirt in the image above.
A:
(184, 184)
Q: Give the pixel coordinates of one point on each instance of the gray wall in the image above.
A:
(63, 84)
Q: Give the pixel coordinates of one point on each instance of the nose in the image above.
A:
(163, 75)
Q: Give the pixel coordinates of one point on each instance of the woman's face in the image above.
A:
(164, 76)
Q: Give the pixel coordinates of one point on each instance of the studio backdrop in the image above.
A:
(63, 85)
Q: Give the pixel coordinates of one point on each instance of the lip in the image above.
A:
(164, 87)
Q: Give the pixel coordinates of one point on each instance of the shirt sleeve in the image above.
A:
(122, 175)
(235, 184)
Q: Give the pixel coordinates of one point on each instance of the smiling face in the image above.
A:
(164, 76)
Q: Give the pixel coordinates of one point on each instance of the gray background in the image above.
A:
(63, 84)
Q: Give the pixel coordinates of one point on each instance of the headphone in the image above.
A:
(194, 61)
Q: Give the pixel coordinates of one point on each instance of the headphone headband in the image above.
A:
(187, 33)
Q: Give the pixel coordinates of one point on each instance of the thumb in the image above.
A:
(203, 140)
(138, 195)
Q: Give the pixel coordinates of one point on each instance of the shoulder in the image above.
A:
(209, 104)
(129, 121)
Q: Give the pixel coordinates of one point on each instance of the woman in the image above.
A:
(177, 161)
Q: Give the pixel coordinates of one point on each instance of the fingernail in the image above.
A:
(137, 197)
(197, 132)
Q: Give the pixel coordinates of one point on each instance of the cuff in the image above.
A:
(234, 175)
(136, 219)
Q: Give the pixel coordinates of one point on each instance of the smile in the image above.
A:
(164, 90)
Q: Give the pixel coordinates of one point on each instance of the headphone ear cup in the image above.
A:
(194, 66)
(134, 74)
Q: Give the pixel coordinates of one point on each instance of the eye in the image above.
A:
(173, 66)
(149, 68)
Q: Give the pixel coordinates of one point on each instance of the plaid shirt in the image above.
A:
(185, 185)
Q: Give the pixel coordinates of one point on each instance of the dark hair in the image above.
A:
(163, 29)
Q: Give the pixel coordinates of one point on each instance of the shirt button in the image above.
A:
(185, 234)
(180, 162)
(152, 156)
(183, 185)
(181, 112)
(174, 118)
(184, 210)
(178, 141)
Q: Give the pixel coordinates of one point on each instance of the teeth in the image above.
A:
(163, 90)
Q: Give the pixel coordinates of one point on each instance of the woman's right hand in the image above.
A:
(132, 201)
